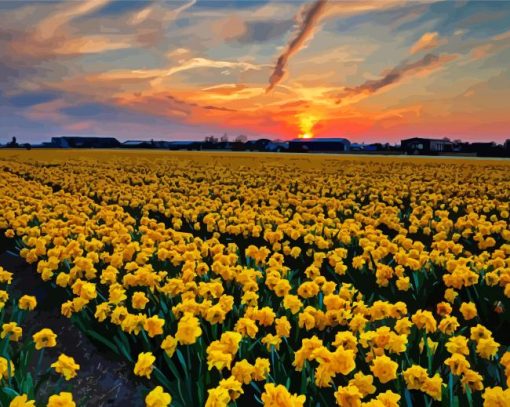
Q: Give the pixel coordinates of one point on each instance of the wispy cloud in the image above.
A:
(50, 26)
(493, 45)
(396, 75)
(427, 41)
(150, 23)
(92, 44)
(225, 89)
(193, 63)
(310, 18)
(62, 32)
(168, 105)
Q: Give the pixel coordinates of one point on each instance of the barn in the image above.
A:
(320, 145)
(420, 145)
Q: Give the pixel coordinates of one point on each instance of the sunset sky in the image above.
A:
(365, 70)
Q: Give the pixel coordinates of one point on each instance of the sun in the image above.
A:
(306, 123)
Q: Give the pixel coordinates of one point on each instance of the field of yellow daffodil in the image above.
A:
(277, 280)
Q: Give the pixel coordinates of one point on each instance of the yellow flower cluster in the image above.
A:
(302, 281)
(17, 351)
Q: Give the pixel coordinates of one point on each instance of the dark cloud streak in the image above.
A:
(395, 75)
(310, 19)
(185, 106)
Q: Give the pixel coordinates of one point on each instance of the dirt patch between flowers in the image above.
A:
(103, 379)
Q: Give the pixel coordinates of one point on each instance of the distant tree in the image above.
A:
(241, 139)
(224, 138)
(13, 143)
(211, 139)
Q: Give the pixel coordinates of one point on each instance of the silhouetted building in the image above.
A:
(257, 145)
(238, 146)
(223, 145)
(136, 144)
(486, 149)
(184, 145)
(320, 145)
(419, 145)
(84, 142)
(357, 147)
(277, 146)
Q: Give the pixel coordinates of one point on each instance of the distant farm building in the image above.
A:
(84, 142)
(277, 146)
(137, 144)
(185, 145)
(419, 145)
(320, 145)
(146, 144)
(257, 145)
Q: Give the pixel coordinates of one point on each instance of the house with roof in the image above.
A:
(426, 146)
(84, 142)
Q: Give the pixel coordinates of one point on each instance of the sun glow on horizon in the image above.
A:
(306, 124)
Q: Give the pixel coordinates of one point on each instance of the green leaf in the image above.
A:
(181, 360)
(428, 351)
(450, 388)
(124, 342)
(172, 367)
(162, 378)
(409, 400)
(27, 385)
(303, 381)
(10, 391)
(469, 395)
(253, 344)
(201, 392)
(256, 387)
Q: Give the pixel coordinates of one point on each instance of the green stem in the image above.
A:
(39, 362)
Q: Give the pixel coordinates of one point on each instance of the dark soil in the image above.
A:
(103, 379)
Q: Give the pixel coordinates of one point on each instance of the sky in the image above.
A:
(369, 71)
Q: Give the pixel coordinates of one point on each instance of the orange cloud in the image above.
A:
(495, 44)
(342, 8)
(50, 26)
(225, 89)
(427, 41)
(230, 27)
(80, 126)
(156, 11)
(47, 112)
(399, 113)
(192, 63)
(91, 44)
(56, 34)
(167, 105)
